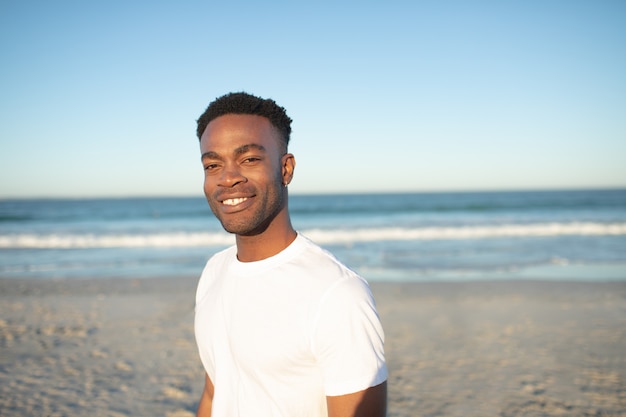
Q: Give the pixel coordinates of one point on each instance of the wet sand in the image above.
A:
(126, 348)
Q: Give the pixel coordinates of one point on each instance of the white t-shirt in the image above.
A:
(278, 335)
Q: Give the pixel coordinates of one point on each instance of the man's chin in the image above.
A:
(236, 229)
(245, 229)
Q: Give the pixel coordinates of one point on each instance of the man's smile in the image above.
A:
(234, 204)
(234, 201)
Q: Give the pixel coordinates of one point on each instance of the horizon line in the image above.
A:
(321, 193)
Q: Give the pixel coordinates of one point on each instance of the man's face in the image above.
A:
(245, 172)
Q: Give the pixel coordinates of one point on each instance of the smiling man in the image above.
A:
(282, 327)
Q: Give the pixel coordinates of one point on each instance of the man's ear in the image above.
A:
(288, 165)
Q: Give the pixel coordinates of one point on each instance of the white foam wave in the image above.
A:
(322, 236)
(165, 240)
(467, 232)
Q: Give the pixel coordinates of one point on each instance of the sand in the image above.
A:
(126, 348)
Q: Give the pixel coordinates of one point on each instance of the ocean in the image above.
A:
(546, 235)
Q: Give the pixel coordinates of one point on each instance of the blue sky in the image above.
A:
(101, 98)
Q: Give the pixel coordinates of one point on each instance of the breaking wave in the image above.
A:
(322, 236)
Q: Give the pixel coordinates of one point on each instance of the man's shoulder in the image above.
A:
(216, 262)
(220, 259)
(319, 260)
(223, 255)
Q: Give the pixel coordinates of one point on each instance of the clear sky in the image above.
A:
(100, 98)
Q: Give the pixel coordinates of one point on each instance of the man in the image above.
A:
(282, 327)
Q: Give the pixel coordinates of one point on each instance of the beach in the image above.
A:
(125, 347)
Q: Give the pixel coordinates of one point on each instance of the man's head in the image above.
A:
(244, 103)
(245, 162)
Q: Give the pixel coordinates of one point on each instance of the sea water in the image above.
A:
(564, 235)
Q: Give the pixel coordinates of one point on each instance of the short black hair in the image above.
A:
(244, 103)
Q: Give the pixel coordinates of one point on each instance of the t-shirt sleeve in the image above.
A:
(348, 339)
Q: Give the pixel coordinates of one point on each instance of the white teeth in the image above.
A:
(233, 201)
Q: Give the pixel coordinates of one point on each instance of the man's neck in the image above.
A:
(264, 245)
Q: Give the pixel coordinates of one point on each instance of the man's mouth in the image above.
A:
(234, 201)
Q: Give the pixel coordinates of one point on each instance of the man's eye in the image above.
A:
(210, 167)
(251, 160)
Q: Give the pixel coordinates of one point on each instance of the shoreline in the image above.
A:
(565, 272)
(125, 347)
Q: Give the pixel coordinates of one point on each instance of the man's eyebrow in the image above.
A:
(211, 155)
(247, 148)
(237, 152)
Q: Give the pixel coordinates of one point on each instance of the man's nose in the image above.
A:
(231, 176)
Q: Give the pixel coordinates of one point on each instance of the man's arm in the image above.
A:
(371, 402)
(204, 408)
